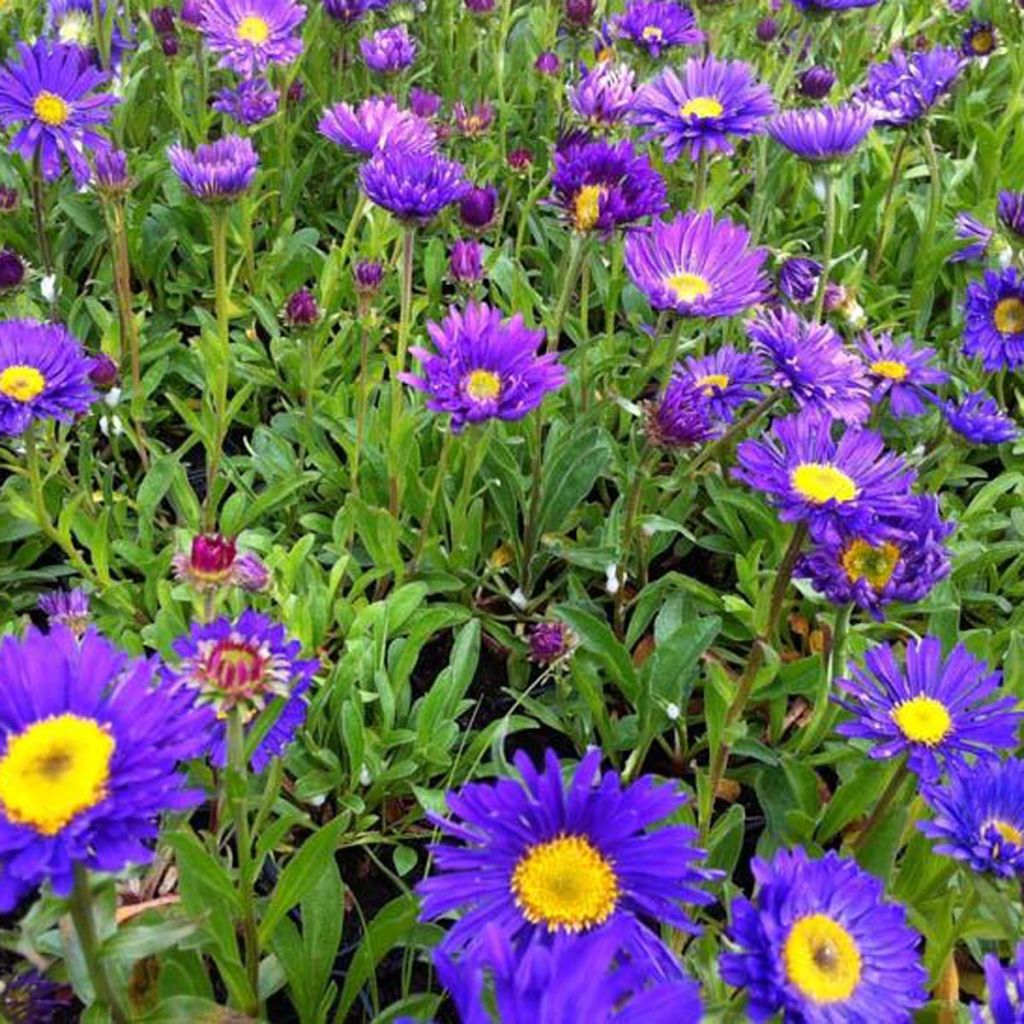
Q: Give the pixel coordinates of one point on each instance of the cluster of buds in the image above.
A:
(162, 20)
(214, 563)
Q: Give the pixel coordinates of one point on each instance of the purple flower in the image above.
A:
(162, 20)
(980, 39)
(798, 279)
(480, 6)
(10, 200)
(832, 5)
(903, 89)
(978, 419)
(216, 172)
(349, 11)
(12, 271)
(658, 25)
(474, 121)
(728, 378)
(902, 371)
(378, 123)
(603, 96)
(213, 562)
(110, 172)
(192, 12)
(547, 63)
(816, 82)
(704, 108)
(1010, 212)
(424, 103)
(31, 998)
(478, 207)
(44, 374)
(368, 275)
(465, 263)
(414, 186)
(53, 96)
(251, 101)
(301, 309)
(994, 320)
(104, 371)
(67, 608)
(697, 266)
(937, 710)
(821, 133)
(681, 417)
(250, 35)
(602, 186)
(485, 367)
(972, 230)
(389, 50)
(551, 642)
(767, 30)
(836, 488)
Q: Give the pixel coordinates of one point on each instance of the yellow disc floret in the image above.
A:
(51, 109)
(713, 382)
(702, 107)
(688, 287)
(819, 482)
(891, 369)
(483, 385)
(1009, 316)
(923, 720)
(20, 382)
(822, 959)
(587, 206)
(253, 29)
(863, 561)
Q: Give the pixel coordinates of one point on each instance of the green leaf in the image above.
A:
(595, 636)
(570, 471)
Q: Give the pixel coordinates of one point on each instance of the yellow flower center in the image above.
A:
(702, 107)
(1007, 832)
(1009, 316)
(890, 368)
(862, 561)
(982, 43)
(713, 382)
(22, 383)
(565, 884)
(587, 206)
(688, 287)
(51, 109)
(253, 29)
(483, 385)
(606, 53)
(923, 720)
(652, 34)
(819, 482)
(75, 28)
(54, 770)
(822, 959)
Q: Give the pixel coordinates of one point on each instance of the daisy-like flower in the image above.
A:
(537, 855)
(485, 367)
(413, 185)
(351, 11)
(68, 608)
(980, 420)
(53, 96)
(702, 109)
(44, 374)
(901, 371)
(1010, 212)
(473, 121)
(980, 39)
(904, 89)
(994, 320)
(937, 710)
(977, 234)
(31, 998)
(91, 746)
(832, 5)
(728, 378)
(604, 95)
(979, 816)
(821, 134)
(900, 559)
(251, 101)
(697, 266)
(378, 123)
(798, 279)
(1005, 991)
(214, 562)
(822, 945)
(602, 185)
(836, 488)
(657, 25)
(216, 172)
(389, 50)
(249, 665)
(810, 362)
(250, 35)
(681, 417)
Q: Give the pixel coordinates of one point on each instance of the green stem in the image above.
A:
(577, 251)
(830, 237)
(531, 531)
(219, 225)
(362, 393)
(700, 183)
(39, 217)
(833, 668)
(352, 229)
(633, 504)
(881, 808)
(80, 904)
(532, 198)
(100, 28)
(934, 206)
(404, 328)
(472, 449)
(500, 42)
(738, 429)
(435, 495)
(887, 207)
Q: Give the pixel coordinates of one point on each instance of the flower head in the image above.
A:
(704, 108)
(12, 271)
(91, 743)
(820, 134)
(465, 263)
(213, 562)
(728, 378)
(657, 25)
(378, 123)
(251, 101)
(798, 279)
(937, 710)
(994, 320)
(424, 103)
(1010, 211)
(551, 641)
(368, 276)
(389, 50)
(832, 5)
(821, 944)
(980, 39)
(976, 233)
(835, 487)
(31, 998)
(980, 420)
(473, 121)
(250, 35)
(53, 96)
(547, 63)
(414, 186)
(478, 207)
(681, 417)
(67, 608)
(900, 371)
(537, 855)
(110, 172)
(904, 89)
(216, 172)
(44, 374)
(816, 82)
(601, 186)
(604, 94)
(301, 309)
(484, 367)
(697, 266)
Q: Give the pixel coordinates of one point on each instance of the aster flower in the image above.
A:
(472, 122)
(465, 262)
(602, 186)
(67, 608)
(110, 173)
(250, 35)
(832, 5)
(31, 998)
(91, 744)
(980, 39)
(551, 641)
(1005, 991)
(979, 816)
(703, 109)
(478, 207)
(937, 710)
(251, 101)
(301, 310)
(215, 172)
(994, 320)
(821, 133)
(904, 89)
(681, 417)
(44, 374)
(798, 279)
(822, 945)
(1010, 212)
(835, 487)
(378, 123)
(414, 186)
(901, 558)
(980, 420)
(544, 857)
(485, 367)
(213, 562)
(54, 98)
(604, 95)
(810, 362)
(816, 82)
(12, 271)
(697, 266)
(657, 25)
(249, 665)
(901, 371)
(728, 378)
(970, 229)
(389, 50)
(424, 103)
(349, 11)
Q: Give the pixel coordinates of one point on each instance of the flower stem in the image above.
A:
(404, 328)
(222, 373)
(700, 183)
(362, 393)
(633, 504)
(39, 216)
(738, 429)
(829, 243)
(531, 531)
(833, 668)
(100, 28)
(577, 251)
(881, 808)
(80, 904)
(887, 208)
(435, 495)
